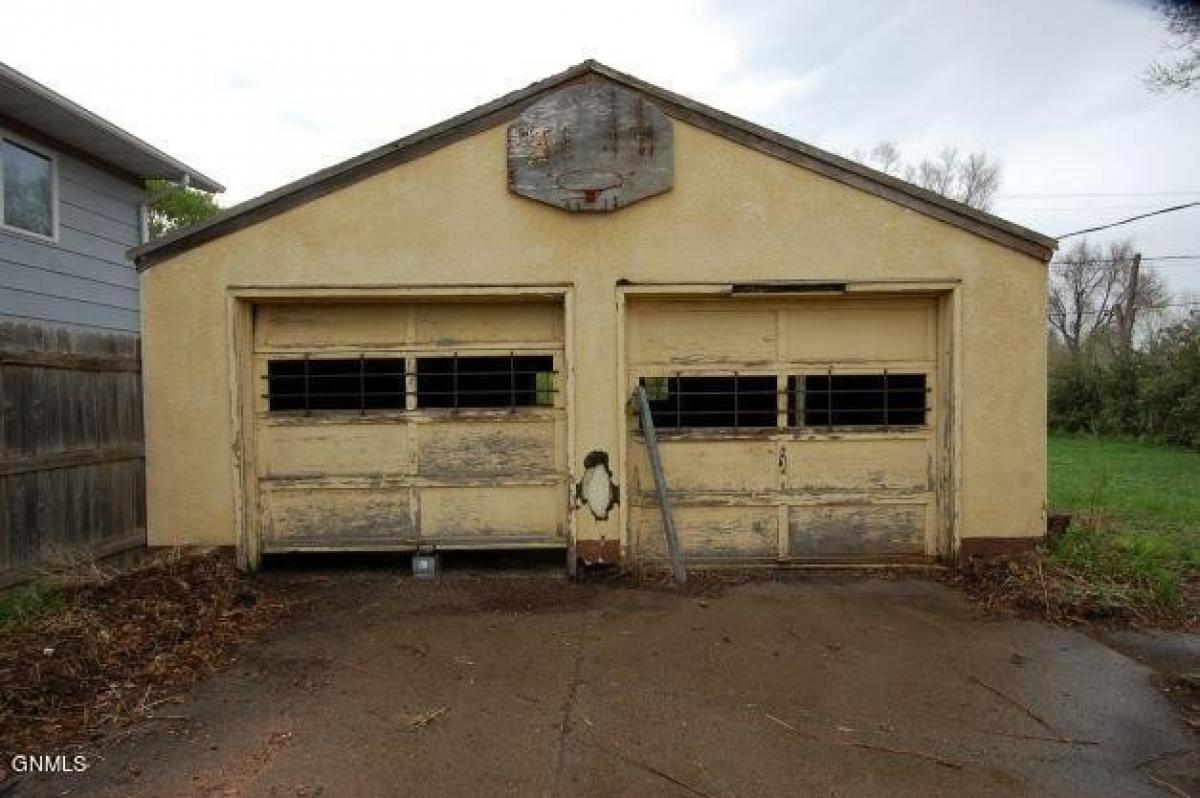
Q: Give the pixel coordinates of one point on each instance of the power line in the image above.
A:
(1158, 212)
(1063, 266)
(1064, 314)
(1085, 194)
(1022, 208)
(1130, 260)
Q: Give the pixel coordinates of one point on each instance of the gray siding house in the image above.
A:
(72, 204)
(71, 207)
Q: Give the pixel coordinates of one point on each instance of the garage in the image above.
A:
(397, 425)
(436, 344)
(794, 430)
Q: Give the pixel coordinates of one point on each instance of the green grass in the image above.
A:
(1136, 531)
(26, 602)
(1141, 482)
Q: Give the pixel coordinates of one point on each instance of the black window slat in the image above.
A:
(698, 402)
(336, 384)
(482, 381)
(874, 400)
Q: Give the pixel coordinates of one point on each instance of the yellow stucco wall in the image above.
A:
(733, 215)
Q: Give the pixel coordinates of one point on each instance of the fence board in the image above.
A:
(72, 454)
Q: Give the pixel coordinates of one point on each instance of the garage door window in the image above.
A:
(693, 402)
(335, 384)
(857, 400)
(488, 381)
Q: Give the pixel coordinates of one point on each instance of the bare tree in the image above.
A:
(978, 180)
(973, 179)
(1098, 294)
(885, 156)
(1181, 72)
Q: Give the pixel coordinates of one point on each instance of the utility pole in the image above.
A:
(1129, 312)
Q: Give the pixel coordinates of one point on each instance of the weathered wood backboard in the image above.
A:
(591, 147)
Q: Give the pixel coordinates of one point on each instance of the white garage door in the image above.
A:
(789, 430)
(393, 425)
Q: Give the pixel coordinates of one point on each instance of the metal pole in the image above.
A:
(735, 400)
(886, 418)
(307, 403)
(678, 572)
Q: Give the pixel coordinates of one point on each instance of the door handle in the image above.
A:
(782, 460)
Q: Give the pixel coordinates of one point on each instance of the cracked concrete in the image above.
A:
(384, 686)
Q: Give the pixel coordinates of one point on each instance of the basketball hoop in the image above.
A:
(589, 184)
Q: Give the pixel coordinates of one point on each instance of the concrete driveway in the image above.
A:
(471, 686)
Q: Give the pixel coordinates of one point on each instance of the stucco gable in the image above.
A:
(504, 109)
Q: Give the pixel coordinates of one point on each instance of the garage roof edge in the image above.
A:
(677, 106)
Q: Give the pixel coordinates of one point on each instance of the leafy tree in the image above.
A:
(1171, 384)
(1151, 392)
(1180, 72)
(971, 179)
(172, 206)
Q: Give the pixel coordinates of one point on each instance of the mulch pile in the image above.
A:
(1030, 585)
(116, 649)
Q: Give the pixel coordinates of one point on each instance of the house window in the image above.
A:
(28, 196)
(711, 401)
(857, 400)
(364, 383)
(485, 381)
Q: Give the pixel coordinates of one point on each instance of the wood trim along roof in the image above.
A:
(508, 107)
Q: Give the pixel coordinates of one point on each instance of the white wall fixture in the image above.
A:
(596, 490)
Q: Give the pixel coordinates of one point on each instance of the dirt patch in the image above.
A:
(502, 595)
(706, 583)
(1184, 691)
(115, 651)
(1031, 585)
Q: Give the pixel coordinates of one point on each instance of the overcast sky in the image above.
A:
(257, 94)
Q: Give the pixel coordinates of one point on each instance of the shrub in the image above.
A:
(1152, 392)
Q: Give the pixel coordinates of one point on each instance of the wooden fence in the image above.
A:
(72, 454)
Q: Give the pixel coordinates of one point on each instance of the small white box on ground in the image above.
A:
(426, 565)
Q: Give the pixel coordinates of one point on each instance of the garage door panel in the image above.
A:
(705, 336)
(856, 530)
(718, 532)
(857, 466)
(510, 449)
(362, 472)
(855, 488)
(475, 323)
(337, 516)
(332, 449)
(879, 332)
(378, 325)
(722, 466)
(319, 326)
(526, 511)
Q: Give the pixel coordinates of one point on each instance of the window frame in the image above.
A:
(795, 380)
(52, 157)
(537, 391)
(362, 408)
(784, 428)
(645, 375)
(553, 392)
